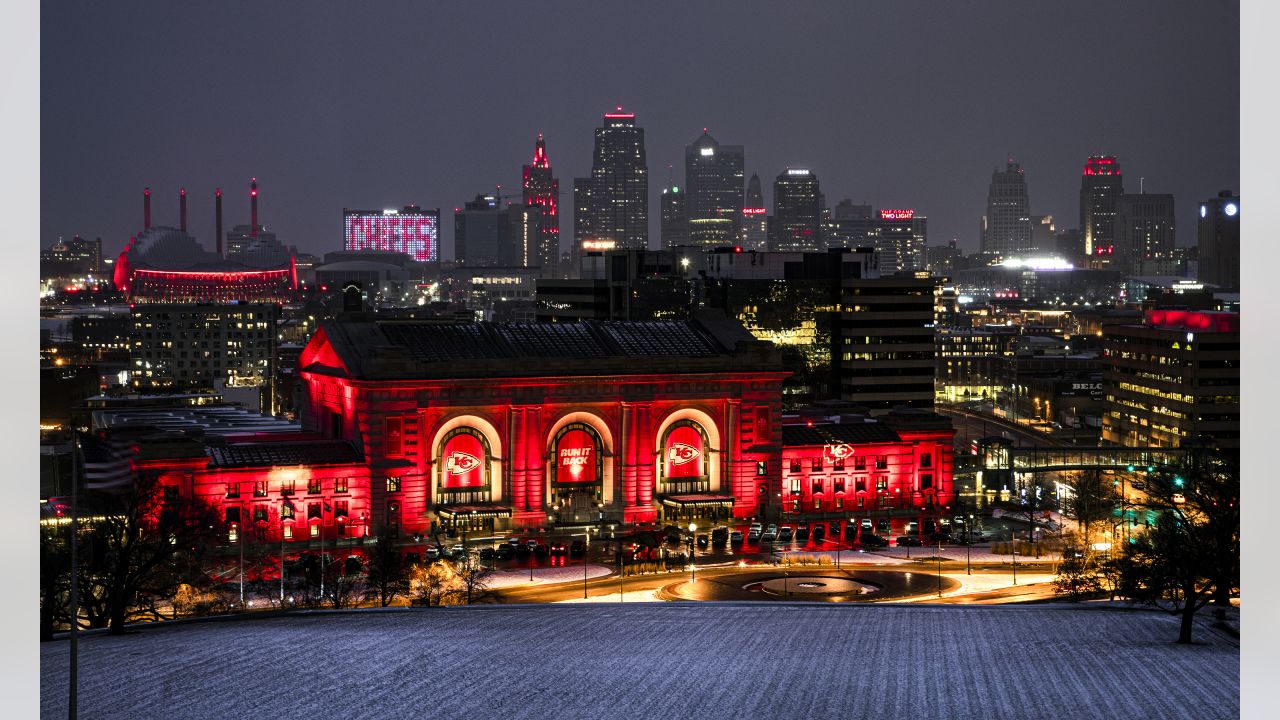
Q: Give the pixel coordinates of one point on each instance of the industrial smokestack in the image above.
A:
(182, 209)
(217, 209)
(253, 205)
(146, 208)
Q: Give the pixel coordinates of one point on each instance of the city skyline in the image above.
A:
(924, 134)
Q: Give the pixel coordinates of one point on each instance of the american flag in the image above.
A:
(108, 461)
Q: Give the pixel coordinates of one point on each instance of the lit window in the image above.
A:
(315, 530)
(288, 532)
(393, 484)
(340, 485)
(762, 467)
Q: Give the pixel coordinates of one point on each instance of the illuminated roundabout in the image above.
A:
(808, 584)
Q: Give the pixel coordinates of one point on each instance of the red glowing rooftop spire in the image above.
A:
(618, 114)
(146, 208)
(182, 208)
(540, 159)
(253, 207)
(1101, 165)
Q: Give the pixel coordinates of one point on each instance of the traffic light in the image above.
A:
(1178, 481)
(1151, 468)
(1130, 468)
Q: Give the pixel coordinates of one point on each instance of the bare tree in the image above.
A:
(473, 576)
(344, 581)
(429, 583)
(388, 572)
(142, 546)
(1191, 556)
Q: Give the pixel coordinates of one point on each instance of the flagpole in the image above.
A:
(73, 699)
(282, 556)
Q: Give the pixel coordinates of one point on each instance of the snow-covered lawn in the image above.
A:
(543, 576)
(659, 660)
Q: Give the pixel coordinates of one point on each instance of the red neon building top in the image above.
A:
(1194, 320)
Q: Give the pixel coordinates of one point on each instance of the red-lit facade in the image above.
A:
(539, 442)
(186, 286)
(851, 476)
(401, 431)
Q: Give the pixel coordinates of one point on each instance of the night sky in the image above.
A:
(374, 105)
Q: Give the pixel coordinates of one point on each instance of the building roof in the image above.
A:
(363, 347)
(837, 433)
(279, 454)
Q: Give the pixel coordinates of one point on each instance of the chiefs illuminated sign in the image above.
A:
(463, 457)
(577, 457)
(897, 214)
(685, 453)
(831, 453)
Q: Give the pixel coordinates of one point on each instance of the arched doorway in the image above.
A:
(685, 475)
(577, 474)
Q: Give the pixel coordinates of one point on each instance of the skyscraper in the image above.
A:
(713, 184)
(487, 235)
(1100, 187)
(675, 223)
(1218, 236)
(542, 193)
(615, 199)
(1008, 224)
(797, 211)
(1144, 231)
(755, 217)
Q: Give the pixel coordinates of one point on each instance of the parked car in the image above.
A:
(753, 535)
(719, 536)
(785, 534)
(769, 535)
(703, 541)
(873, 540)
(532, 545)
(505, 552)
(457, 551)
(851, 531)
(557, 548)
(757, 527)
(431, 553)
(867, 524)
(941, 537)
(819, 533)
(802, 533)
(513, 541)
(909, 540)
(735, 537)
(488, 554)
(577, 548)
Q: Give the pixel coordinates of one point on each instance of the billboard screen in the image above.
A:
(411, 231)
(684, 452)
(577, 456)
(463, 462)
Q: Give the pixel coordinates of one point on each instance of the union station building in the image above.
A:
(414, 426)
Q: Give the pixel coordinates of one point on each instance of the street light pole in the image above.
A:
(693, 568)
(1015, 567)
(73, 698)
(939, 568)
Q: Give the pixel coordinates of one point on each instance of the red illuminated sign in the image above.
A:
(831, 453)
(897, 214)
(684, 452)
(464, 459)
(754, 211)
(576, 455)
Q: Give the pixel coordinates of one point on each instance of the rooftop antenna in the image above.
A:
(1141, 189)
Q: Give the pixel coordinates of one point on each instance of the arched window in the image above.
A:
(464, 460)
(579, 456)
(685, 466)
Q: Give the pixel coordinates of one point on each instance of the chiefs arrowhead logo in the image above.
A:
(682, 453)
(838, 452)
(460, 463)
